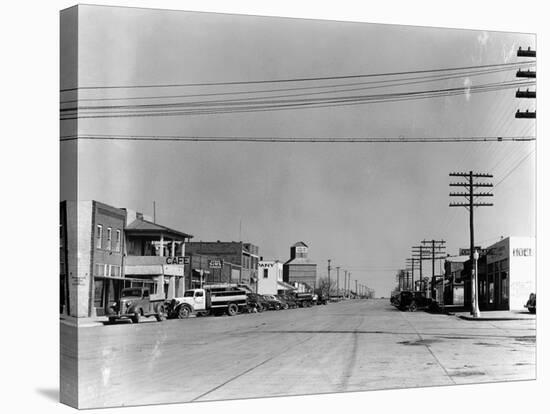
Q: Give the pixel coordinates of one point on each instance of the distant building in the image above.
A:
(243, 258)
(270, 273)
(299, 269)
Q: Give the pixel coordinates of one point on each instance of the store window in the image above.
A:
(99, 236)
(109, 238)
(266, 273)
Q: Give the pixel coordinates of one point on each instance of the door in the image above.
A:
(199, 300)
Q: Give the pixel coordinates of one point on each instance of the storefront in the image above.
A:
(510, 275)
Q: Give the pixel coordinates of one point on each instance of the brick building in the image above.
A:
(104, 249)
(241, 260)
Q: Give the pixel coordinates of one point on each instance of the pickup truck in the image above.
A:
(136, 303)
(215, 299)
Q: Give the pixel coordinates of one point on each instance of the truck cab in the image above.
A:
(134, 303)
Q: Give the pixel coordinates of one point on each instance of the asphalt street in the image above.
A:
(348, 346)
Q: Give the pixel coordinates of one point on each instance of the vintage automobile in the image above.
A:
(256, 302)
(531, 304)
(288, 301)
(272, 302)
(410, 300)
(136, 303)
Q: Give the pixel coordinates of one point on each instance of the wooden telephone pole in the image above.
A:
(471, 196)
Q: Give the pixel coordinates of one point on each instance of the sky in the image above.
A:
(362, 205)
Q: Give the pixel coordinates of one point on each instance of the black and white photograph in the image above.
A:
(257, 206)
(282, 207)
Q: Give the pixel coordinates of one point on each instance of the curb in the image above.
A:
(471, 318)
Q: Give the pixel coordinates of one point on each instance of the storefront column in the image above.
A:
(161, 250)
(173, 252)
(171, 288)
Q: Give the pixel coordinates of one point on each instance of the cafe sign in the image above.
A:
(177, 260)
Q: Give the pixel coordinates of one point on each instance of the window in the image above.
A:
(99, 269)
(117, 241)
(266, 273)
(114, 271)
(109, 238)
(99, 236)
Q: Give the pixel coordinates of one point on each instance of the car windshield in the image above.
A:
(189, 294)
(131, 292)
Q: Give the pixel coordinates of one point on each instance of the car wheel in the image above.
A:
(413, 307)
(232, 309)
(136, 317)
(183, 312)
(260, 308)
(277, 307)
(160, 314)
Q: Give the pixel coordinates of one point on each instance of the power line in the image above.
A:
(307, 79)
(191, 138)
(381, 83)
(306, 104)
(274, 100)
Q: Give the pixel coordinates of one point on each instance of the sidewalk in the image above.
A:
(82, 322)
(496, 316)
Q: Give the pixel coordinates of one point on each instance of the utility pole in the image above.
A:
(470, 185)
(329, 279)
(349, 284)
(338, 281)
(420, 253)
(411, 264)
(439, 245)
(355, 287)
(529, 74)
(345, 282)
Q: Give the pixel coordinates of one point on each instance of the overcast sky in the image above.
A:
(363, 205)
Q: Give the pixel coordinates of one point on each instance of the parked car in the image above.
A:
(320, 299)
(531, 304)
(256, 302)
(272, 302)
(136, 303)
(289, 300)
(410, 300)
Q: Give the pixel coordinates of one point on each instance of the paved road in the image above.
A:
(346, 346)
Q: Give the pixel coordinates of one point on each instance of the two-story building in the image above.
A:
(104, 249)
(241, 259)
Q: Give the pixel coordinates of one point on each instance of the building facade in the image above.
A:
(270, 277)
(506, 276)
(104, 249)
(242, 257)
(299, 268)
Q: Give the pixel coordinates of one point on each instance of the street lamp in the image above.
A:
(475, 296)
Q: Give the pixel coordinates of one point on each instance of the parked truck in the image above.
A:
(304, 300)
(213, 299)
(136, 303)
